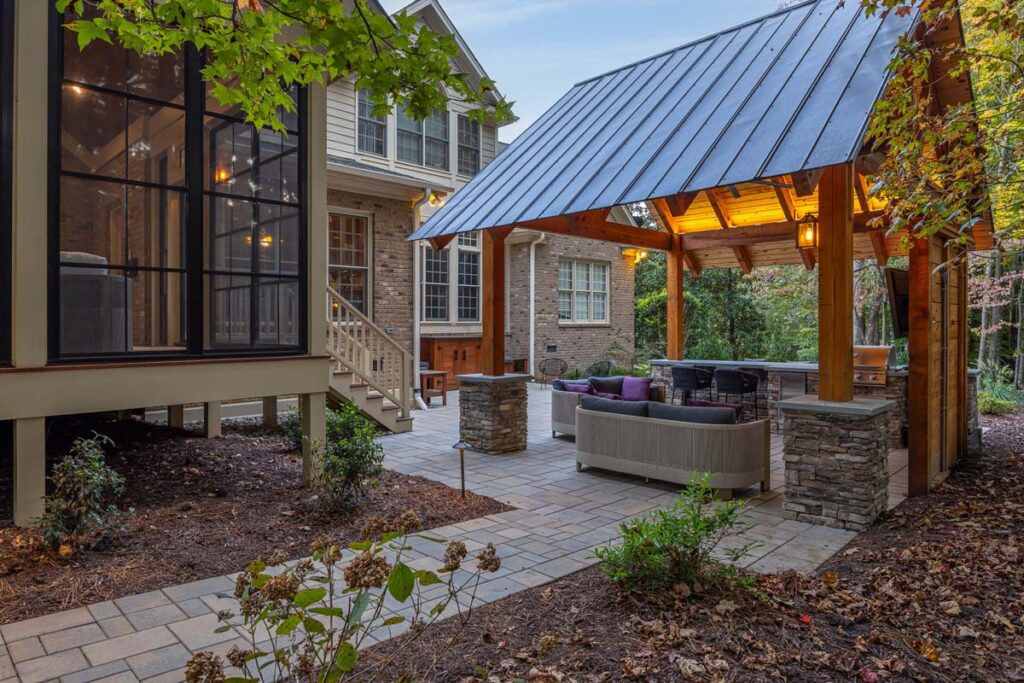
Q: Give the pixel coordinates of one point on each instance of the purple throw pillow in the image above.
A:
(577, 388)
(605, 394)
(636, 388)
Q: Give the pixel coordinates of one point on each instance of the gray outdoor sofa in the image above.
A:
(564, 404)
(674, 445)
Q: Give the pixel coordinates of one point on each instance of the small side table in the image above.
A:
(429, 385)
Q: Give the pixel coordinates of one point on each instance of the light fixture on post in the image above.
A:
(807, 232)
(462, 446)
(637, 255)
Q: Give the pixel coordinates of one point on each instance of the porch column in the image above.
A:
(29, 469)
(211, 419)
(835, 285)
(676, 347)
(270, 411)
(493, 308)
(312, 413)
(923, 342)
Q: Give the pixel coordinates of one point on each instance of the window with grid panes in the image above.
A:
(372, 130)
(582, 291)
(348, 259)
(436, 280)
(469, 146)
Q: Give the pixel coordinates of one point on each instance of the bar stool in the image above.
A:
(737, 383)
(689, 380)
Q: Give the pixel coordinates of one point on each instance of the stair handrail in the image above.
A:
(355, 342)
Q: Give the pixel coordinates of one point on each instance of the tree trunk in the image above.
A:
(983, 334)
(995, 318)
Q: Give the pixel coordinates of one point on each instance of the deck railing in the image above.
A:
(358, 346)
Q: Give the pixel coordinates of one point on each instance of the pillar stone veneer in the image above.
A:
(836, 456)
(492, 412)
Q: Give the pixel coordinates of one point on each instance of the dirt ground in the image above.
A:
(934, 592)
(202, 507)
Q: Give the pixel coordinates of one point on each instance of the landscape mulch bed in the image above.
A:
(202, 508)
(934, 592)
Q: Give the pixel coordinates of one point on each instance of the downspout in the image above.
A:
(416, 286)
(533, 301)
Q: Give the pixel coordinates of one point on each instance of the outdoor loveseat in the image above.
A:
(673, 443)
(564, 401)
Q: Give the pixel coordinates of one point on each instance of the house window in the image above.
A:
(469, 286)
(435, 285)
(469, 146)
(348, 262)
(372, 133)
(582, 291)
(163, 245)
(424, 143)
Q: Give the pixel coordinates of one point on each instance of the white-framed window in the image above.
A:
(582, 291)
(348, 258)
(424, 143)
(372, 130)
(458, 264)
(469, 146)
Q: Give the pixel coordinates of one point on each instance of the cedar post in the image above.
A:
(493, 310)
(923, 380)
(676, 303)
(835, 285)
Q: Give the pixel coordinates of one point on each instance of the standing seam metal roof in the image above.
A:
(788, 92)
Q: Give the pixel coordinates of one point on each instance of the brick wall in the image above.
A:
(392, 260)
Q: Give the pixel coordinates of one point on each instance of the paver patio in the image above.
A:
(561, 516)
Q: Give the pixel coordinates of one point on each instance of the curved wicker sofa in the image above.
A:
(564, 404)
(735, 455)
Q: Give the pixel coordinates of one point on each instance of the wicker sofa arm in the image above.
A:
(563, 411)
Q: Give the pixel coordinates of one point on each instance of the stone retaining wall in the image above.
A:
(492, 412)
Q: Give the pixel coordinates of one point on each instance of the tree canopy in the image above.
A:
(257, 50)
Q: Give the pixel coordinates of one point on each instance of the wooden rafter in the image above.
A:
(679, 204)
(808, 257)
(594, 225)
(692, 263)
(806, 182)
(785, 196)
(758, 234)
(718, 206)
(879, 246)
(439, 243)
(860, 186)
(743, 258)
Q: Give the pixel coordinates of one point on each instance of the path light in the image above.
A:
(807, 232)
(462, 446)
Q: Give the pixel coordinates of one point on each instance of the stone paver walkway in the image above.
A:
(561, 516)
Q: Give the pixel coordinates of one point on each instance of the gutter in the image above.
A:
(533, 300)
(417, 264)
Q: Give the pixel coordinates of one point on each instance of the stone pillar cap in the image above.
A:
(491, 379)
(858, 407)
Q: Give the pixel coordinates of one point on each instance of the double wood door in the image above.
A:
(456, 356)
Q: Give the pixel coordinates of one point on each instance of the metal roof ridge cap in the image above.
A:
(710, 36)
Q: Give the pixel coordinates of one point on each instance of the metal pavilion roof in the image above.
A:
(788, 92)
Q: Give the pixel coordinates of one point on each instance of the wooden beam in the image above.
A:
(785, 196)
(493, 307)
(663, 212)
(878, 244)
(835, 285)
(922, 382)
(718, 206)
(692, 262)
(679, 204)
(758, 234)
(439, 243)
(805, 182)
(743, 258)
(807, 256)
(592, 225)
(676, 317)
(860, 185)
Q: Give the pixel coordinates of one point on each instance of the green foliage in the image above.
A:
(677, 545)
(317, 623)
(257, 50)
(997, 394)
(349, 459)
(991, 404)
(80, 513)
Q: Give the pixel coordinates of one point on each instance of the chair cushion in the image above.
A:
(576, 388)
(636, 388)
(697, 403)
(715, 416)
(560, 384)
(605, 405)
(607, 385)
(607, 395)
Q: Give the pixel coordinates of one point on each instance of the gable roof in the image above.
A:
(788, 92)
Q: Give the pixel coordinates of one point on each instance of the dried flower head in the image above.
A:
(488, 559)
(454, 554)
(283, 587)
(242, 584)
(325, 550)
(238, 657)
(251, 606)
(204, 667)
(375, 527)
(367, 571)
(408, 522)
(277, 558)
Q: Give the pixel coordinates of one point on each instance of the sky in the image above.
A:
(537, 49)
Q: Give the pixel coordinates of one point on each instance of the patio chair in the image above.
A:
(737, 383)
(690, 380)
(551, 368)
(601, 368)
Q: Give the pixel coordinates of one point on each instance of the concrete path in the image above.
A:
(561, 516)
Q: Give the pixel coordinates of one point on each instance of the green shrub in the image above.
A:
(350, 458)
(676, 546)
(990, 403)
(340, 424)
(80, 513)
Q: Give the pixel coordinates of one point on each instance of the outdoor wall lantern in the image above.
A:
(637, 255)
(807, 232)
(462, 446)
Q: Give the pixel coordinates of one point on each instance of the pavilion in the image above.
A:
(735, 142)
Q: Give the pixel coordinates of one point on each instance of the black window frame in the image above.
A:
(197, 311)
(6, 173)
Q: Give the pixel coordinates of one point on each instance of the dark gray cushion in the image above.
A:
(560, 383)
(711, 416)
(607, 385)
(607, 405)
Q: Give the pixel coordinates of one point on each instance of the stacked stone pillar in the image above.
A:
(836, 456)
(492, 412)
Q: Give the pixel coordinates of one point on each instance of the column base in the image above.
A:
(492, 412)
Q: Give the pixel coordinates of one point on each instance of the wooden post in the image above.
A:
(924, 381)
(835, 284)
(493, 309)
(676, 348)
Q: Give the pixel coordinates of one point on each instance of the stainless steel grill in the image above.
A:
(871, 364)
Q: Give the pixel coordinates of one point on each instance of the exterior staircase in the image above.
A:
(371, 370)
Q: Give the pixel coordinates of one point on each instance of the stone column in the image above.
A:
(492, 412)
(836, 455)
